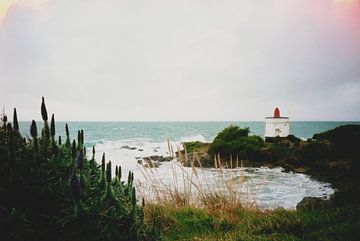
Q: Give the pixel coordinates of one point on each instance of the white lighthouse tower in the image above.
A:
(276, 125)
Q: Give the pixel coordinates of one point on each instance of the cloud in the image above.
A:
(182, 60)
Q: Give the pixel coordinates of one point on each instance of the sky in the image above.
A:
(172, 60)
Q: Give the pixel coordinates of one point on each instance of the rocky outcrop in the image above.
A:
(153, 161)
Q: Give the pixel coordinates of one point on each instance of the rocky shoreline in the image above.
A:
(332, 157)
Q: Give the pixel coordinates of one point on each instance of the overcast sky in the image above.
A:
(181, 60)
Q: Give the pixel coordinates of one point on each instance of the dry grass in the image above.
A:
(218, 188)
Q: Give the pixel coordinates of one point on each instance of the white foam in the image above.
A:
(200, 138)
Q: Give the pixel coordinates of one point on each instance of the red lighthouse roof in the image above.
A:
(277, 113)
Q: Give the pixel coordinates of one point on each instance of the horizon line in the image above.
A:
(189, 120)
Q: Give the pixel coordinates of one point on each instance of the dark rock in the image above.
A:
(128, 148)
(158, 158)
(312, 203)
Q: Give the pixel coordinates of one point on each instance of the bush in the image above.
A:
(236, 142)
(345, 139)
(315, 152)
(232, 133)
(50, 191)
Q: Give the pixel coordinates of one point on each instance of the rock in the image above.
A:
(158, 158)
(128, 148)
(311, 203)
(300, 170)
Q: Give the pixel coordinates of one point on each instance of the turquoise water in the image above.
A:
(97, 132)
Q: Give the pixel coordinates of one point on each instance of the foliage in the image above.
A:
(236, 142)
(314, 151)
(184, 223)
(345, 142)
(50, 191)
(196, 146)
(232, 133)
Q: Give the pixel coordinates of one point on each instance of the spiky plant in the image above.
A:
(82, 136)
(103, 163)
(133, 197)
(45, 147)
(68, 142)
(15, 121)
(79, 140)
(75, 187)
(119, 173)
(92, 161)
(52, 126)
(33, 129)
(108, 173)
(79, 160)
(34, 135)
(73, 149)
(43, 110)
(42, 192)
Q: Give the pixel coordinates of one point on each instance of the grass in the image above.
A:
(195, 187)
(188, 223)
(193, 208)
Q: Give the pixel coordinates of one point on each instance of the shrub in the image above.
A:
(232, 133)
(50, 193)
(315, 151)
(236, 142)
(345, 139)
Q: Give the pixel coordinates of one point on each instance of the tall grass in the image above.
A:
(219, 188)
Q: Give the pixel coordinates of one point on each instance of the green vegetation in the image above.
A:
(50, 191)
(196, 146)
(236, 142)
(186, 223)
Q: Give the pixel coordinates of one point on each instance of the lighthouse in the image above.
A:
(276, 125)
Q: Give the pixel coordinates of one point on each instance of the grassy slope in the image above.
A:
(185, 223)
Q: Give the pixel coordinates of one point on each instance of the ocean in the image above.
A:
(127, 142)
(99, 132)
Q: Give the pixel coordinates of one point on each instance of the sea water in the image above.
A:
(269, 188)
